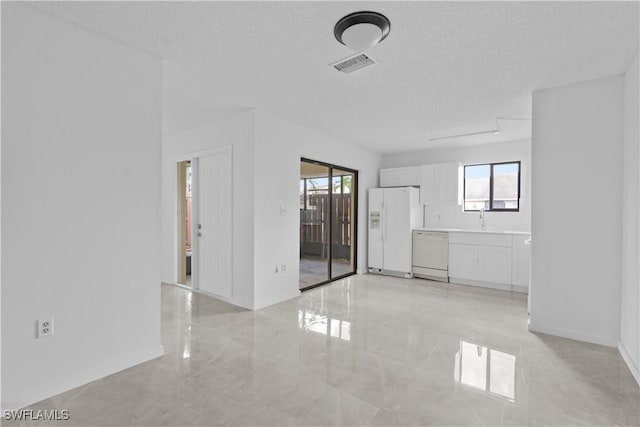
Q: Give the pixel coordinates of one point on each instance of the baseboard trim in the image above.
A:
(490, 285)
(520, 289)
(233, 301)
(631, 364)
(276, 300)
(180, 285)
(479, 284)
(573, 335)
(79, 379)
(392, 273)
(248, 305)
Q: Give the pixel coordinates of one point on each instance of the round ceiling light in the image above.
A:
(361, 30)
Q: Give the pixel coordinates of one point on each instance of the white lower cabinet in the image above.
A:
(521, 260)
(463, 261)
(492, 260)
(494, 264)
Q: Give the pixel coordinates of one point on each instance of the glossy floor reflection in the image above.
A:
(315, 270)
(368, 350)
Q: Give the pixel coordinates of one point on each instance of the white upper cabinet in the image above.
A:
(450, 183)
(428, 180)
(441, 183)
(400, 177)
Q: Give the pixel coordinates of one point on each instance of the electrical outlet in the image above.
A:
(45, 327)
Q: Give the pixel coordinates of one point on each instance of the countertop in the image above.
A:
(462, 230)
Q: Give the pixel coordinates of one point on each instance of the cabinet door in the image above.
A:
(428, 178)
(448, 180)
(440, 183)
(463, 261)
(494, 264)
(521, 261)
(400, 177)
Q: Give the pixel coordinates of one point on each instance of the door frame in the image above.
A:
(181, 180)
(195, 252)
(354, 213)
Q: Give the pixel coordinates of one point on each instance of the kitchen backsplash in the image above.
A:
(452, 216)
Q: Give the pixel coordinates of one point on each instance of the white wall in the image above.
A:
(279, 146)
(81, 142)
(577, 210)
(452, 216)
(237, 131)
(1, 405)
(266, 173)
(630, 302)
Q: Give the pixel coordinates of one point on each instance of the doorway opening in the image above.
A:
(328, 222)
(184, 221)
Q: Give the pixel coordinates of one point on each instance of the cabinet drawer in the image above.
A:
(463, 238)
(495, 240)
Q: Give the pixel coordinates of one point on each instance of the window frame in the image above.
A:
(491, 165)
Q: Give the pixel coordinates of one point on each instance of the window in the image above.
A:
(492, 187)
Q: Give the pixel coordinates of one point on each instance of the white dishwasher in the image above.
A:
(431, 255)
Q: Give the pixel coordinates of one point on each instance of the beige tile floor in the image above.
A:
(367, 350)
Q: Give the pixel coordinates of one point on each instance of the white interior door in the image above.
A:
(212, 227)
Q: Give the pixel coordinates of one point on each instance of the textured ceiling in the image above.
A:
(446, 67)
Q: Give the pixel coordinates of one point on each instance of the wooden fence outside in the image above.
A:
(314, 226)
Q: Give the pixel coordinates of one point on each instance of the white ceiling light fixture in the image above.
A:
(495, 131)
(361, 30)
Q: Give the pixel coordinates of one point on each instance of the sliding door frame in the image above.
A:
(354, 220)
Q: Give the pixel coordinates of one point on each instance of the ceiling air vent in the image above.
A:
(353, 63)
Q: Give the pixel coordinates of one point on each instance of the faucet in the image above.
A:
(482, 217)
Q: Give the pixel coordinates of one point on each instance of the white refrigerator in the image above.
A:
(393, 214)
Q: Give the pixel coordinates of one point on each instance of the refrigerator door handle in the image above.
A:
(382, 221)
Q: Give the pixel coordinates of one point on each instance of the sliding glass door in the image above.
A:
(342, 223)
(314, 227)
(328, 205)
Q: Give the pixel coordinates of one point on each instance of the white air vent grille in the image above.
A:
(353, 63)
